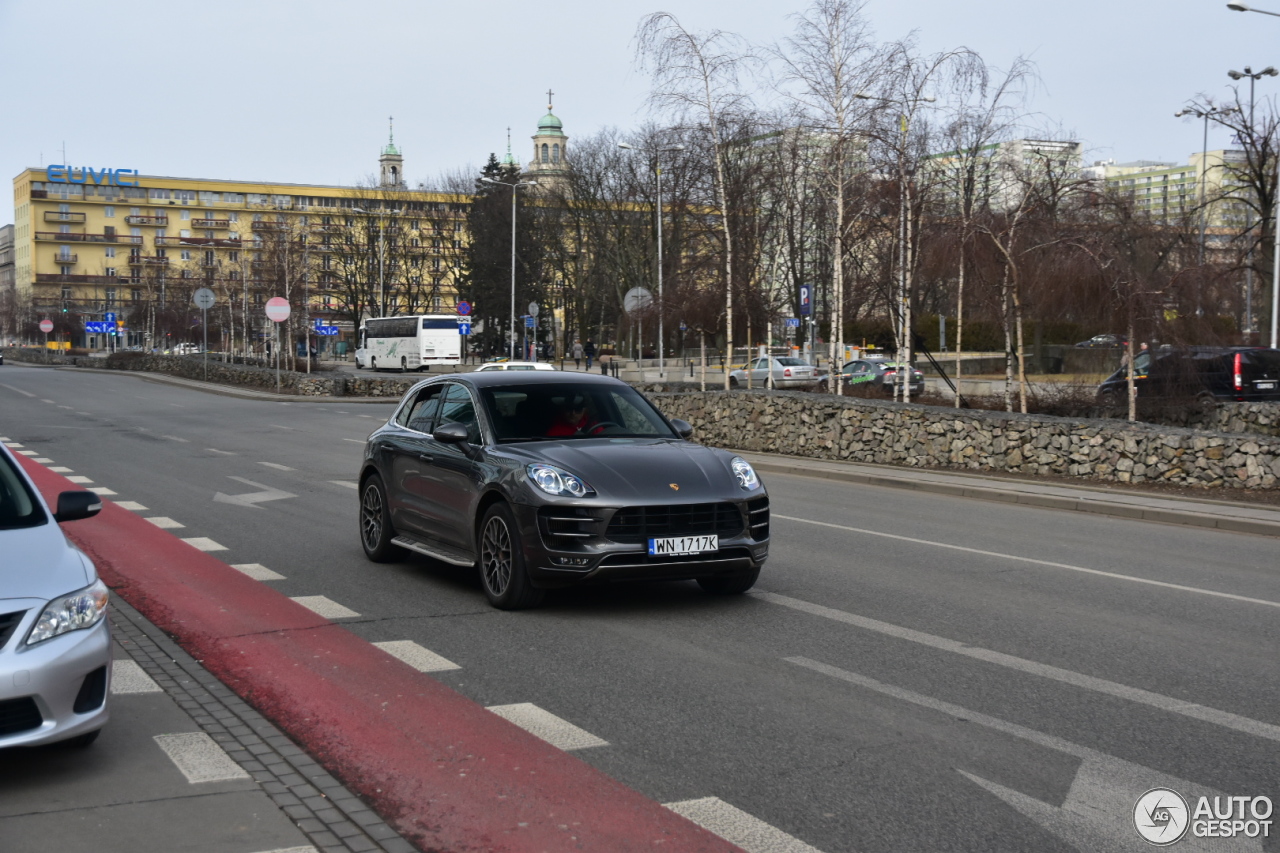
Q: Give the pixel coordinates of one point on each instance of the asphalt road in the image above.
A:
(912, 672)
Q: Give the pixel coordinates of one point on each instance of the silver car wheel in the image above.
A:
(371, 517)
(495, 556)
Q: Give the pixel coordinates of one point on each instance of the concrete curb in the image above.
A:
(225, 390)
(1092, 502)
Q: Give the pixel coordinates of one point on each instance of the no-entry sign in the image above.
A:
(46, 326)
(277, 309)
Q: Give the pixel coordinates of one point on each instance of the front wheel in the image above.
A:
(730, 584)
(404, 365)
(502, 568)
(376, 531)
(733, 382)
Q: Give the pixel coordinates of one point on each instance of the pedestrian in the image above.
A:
(589, 351)
(578, 352)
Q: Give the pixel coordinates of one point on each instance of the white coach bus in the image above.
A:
(409, 343)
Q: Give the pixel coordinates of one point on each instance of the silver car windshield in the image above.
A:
(559, 411)
(18, 506)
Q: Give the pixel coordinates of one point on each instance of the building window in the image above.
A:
(233, 217)
(64, 270)
(66, 293)
(109, 211)
(208, 258)
(234, 257)
(64, 229)
(186, 214)
(185, 232)
(135, 295)
(555, 153)
(110, 251)
(64, 253)
(546, 153)
(111, 295)
(111, 273)
(162, 232)
(135, 231)
(186, 254)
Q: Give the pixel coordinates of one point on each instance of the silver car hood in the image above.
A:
(39, 562)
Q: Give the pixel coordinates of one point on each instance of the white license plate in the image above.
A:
(680, 545)
(1264, 386)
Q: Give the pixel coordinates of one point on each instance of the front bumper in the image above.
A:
(557, 555)
(57, 689)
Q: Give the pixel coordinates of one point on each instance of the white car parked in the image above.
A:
(515, 365)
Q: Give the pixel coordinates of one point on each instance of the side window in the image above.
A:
(458, 408)
(419, 415)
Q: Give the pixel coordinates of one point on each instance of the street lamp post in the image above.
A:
(1253, 76)
(513, 185)
(1204, 168)
(657, 168)
(382, 299)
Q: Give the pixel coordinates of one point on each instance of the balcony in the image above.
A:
(226, 242)
(270, 226)
(211, 223)
(61, 237)
(56, 278)
(69, 258)
(58, 216)
(147, 261)
(160, 221)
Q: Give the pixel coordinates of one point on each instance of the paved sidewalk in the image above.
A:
(1218, 512)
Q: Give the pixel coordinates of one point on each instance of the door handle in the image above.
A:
(426, 457)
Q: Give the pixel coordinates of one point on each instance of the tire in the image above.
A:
(404, 365)
(376, 531)
(503, 572)
(81, 741)
(733, 383)
(373, 364)
(1109, 402)
(730, 584)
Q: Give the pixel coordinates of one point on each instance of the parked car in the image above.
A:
(1198, 373)
(514, 365)
(55, 641)
(875, 372)
(788, 372)
(1099, 341)
(545, 481)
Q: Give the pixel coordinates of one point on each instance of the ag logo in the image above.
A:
(1161, 816)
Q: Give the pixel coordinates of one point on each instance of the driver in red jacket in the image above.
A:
(572, 418)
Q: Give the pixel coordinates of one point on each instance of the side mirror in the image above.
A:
(73, 506)
(684, 429)
(454, 433)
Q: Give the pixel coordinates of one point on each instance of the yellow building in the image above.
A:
(90, 241)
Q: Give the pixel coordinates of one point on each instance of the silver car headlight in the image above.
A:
(745, 473)
(81, 609)
(558, 482)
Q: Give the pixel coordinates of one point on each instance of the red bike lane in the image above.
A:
(445, 772)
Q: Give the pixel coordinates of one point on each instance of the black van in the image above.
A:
(1199, 373)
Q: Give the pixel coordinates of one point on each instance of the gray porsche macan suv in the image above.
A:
(545, 480)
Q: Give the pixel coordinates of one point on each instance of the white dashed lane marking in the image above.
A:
(42, 460)
(199, 758)
(28, 452)
(61, 469)
(280, 426)
(165, 523)
(420, 658)
(12, 445)
(86, 414)
(276, 465)
(221, 452)
(79, 479)
(50, 402)
(200, 543)
(325, 607)
(737, 827)
(176, 438)
(345, 483)
(68, 408)
(132, 506)
(355, 440)
(128, 677)
(101, 490)
(546, 725)
(258, 572)
(19, 390)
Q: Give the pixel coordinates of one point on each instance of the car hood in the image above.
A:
(39, 562)
(645, 470)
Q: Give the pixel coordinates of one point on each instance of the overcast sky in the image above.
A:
(300, 92)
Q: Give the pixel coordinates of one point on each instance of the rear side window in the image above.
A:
(1266, 364)
(18, 506)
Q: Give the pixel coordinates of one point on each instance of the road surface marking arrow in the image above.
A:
(252, 499)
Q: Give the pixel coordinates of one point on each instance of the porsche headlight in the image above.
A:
(558, 482)
(81, 609)
(745, 473)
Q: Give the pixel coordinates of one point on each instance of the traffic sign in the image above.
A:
(464, 308)
(277, 309)
(203, 298)
(464, 328)
(683, 327)
(533, 308)
(528, 322)
(94, 327)
(792, 322)
(46, 326)
(636, 299)
(806, 300)
(109, 317)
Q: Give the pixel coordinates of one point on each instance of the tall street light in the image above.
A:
(513, 185)
(382, 300)
(1275, 262)
(1253, 76)
(657, 168)
(1204, 166)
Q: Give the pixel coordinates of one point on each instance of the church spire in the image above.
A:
(391, 164)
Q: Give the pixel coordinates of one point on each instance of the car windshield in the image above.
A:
(566, 410)
(18, 507)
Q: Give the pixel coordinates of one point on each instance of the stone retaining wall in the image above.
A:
(857, 430)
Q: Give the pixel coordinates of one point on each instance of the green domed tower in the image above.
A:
(550, 165)
(391, 164)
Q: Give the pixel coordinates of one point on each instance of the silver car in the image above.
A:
(788, 372)
(55, 642)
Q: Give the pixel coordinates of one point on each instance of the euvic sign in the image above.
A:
(68, 175)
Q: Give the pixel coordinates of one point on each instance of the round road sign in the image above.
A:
(277, 309)
(533, 309)
(637, 299)
(46, 326)
(204, 298)
(464, 308)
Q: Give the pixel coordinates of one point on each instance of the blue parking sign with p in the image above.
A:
(806, 300)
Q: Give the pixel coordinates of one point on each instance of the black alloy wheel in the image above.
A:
(376, 531)
(502, 569)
